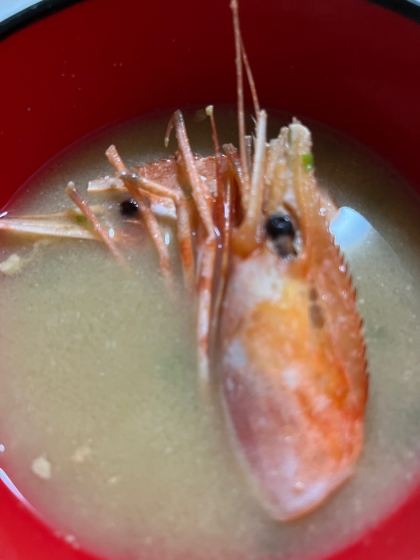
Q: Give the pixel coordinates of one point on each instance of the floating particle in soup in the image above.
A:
(42, 467)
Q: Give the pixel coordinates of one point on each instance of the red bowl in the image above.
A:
(349, 64)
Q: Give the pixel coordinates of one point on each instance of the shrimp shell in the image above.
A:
(293, 367)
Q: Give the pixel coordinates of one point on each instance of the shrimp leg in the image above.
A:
(149, 218)
(223, 219)
(204, 204)
(77, 198)
(148, 186)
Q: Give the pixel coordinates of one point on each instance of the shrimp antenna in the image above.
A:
(250, 79)
(240, 91)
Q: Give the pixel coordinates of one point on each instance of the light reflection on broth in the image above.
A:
(104, 429)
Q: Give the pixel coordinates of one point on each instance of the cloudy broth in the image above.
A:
(102, 425)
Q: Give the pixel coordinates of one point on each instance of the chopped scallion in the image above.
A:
(308, 161)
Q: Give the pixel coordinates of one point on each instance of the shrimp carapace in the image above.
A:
(293, 368)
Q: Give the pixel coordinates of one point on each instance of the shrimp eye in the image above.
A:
(129, 207)
(279, 225)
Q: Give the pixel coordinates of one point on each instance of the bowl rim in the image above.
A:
(31, 14)
(46, 8)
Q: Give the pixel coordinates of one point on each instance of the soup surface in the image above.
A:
(102, 426)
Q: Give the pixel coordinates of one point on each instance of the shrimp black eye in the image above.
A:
(280, 225)
(129, 207)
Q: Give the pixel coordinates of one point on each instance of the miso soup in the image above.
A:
(103, 428)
